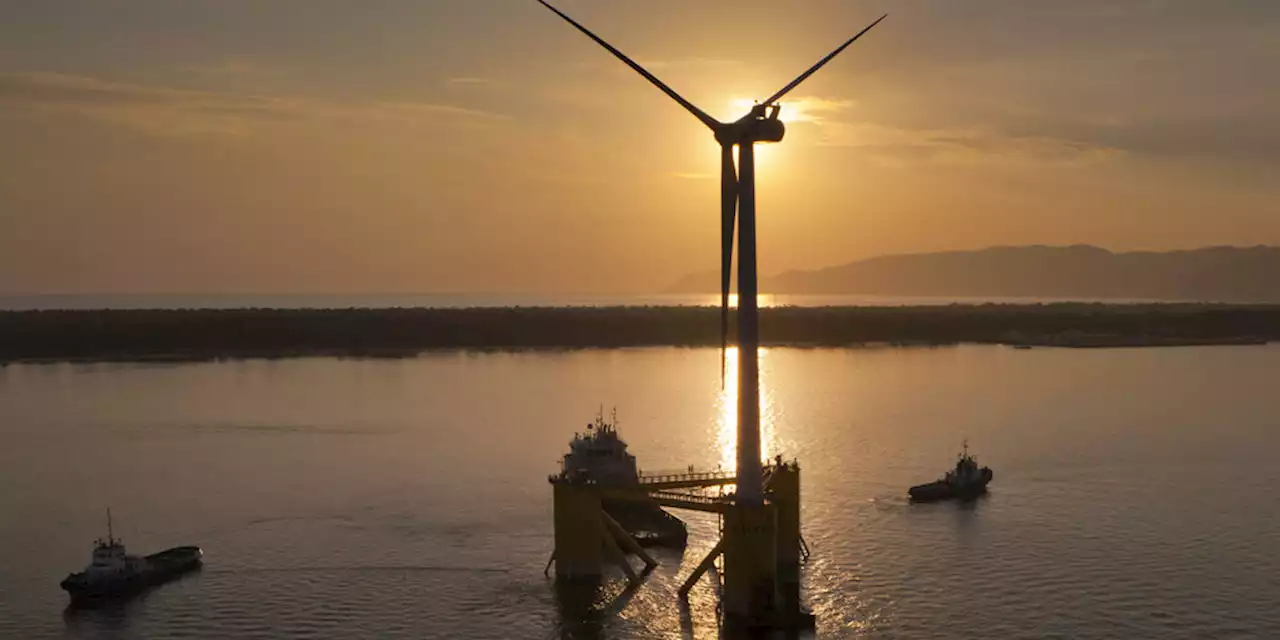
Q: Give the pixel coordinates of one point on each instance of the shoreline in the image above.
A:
(181, 358)
(158, 336)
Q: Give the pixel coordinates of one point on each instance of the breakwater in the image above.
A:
(244, 333)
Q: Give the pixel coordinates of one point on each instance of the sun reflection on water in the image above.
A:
(764, 301)
(727, 434)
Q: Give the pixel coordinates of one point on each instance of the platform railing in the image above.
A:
(670, 476)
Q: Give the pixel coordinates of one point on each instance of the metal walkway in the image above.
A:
(692, 501)
(686, 480)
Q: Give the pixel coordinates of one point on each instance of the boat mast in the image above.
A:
(111, 538)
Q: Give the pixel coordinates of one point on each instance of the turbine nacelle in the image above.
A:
(760, 125)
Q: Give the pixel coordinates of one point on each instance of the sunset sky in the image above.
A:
(242, 146)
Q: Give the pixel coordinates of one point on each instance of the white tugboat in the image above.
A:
(599, 456)
(113, 573)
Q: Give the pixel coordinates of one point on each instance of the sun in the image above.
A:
(765, 156)
(768, 155)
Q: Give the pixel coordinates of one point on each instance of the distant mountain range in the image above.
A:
(1221, 274)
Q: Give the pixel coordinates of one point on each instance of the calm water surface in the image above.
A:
(1133, 496)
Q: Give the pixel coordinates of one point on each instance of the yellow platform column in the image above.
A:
(625, 541)
(784, 494)
(579, 531)
(706, 565)
(750, 565)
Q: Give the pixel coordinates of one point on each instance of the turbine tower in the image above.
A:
(738, 195)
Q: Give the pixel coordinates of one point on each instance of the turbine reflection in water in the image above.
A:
(727, 405)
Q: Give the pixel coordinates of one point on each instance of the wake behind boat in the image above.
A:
(113, 573)
(967, 480)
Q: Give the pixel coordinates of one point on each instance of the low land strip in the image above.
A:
(198, 334)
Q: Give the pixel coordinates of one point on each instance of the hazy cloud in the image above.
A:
(689, 64)
(236, 68)
(812, 109)
(1242, 138)
(962, 145)
(170, 111)
(840, 126)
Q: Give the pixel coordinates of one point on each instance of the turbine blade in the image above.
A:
(712, 123)
(805, 76)
(728, 222)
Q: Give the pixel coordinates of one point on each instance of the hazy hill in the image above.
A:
(1226, 274)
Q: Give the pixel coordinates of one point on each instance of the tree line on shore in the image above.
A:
(231, 333)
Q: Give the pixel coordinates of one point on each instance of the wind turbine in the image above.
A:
(737, 193)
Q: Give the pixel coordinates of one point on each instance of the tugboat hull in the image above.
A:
(161, 567)
(940, 490)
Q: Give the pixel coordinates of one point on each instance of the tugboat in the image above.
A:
(967, 480)
(599, 456)
(113, 573)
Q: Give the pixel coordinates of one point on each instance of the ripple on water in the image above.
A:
(440, 526)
